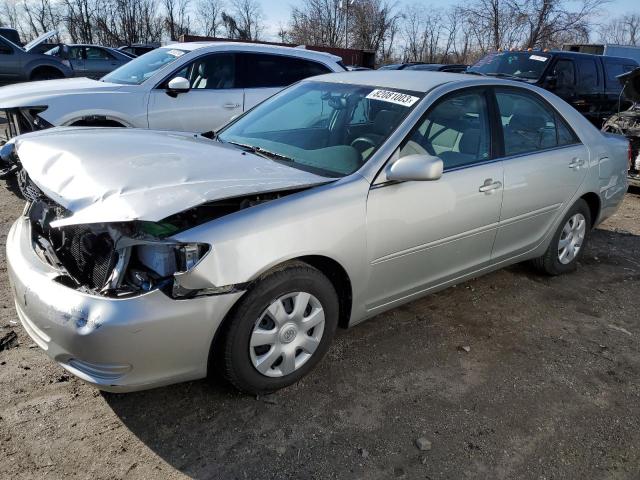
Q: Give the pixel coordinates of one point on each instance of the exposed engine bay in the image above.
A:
(124, 258)
(627, 122)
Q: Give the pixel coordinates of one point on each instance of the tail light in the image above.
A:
(630, 155)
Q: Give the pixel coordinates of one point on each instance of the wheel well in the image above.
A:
(338, 276)
(45, 68)
(93, 122)
(593, 201)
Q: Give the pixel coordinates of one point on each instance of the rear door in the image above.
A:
(590, 100)
(213, 100)
(267, 74)
(544, 165)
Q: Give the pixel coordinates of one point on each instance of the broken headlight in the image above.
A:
(154, 264)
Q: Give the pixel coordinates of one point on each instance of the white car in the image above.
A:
(196, 87)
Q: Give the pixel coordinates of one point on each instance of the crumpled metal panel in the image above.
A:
(112, 175)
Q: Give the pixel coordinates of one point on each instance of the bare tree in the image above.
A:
(549, 22)
(244, 21)
(317, 22)
(371, 23)
(40, 16)
(176, 17)
(624, 30)
(209, 14)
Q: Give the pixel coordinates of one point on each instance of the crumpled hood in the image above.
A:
(34, 94)
(631, 83)
(113, 174)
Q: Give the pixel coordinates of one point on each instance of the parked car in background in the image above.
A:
(627, 122)
(186, 86)
(138, 49)
(92, 61)
(588, 82)
(606, 49)
(11, 34)
(439, 67)
(399, 66)
(144, 258)
(21, 64)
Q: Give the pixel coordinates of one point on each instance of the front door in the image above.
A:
(10, 63)
(544, 165)
(422, 234)
(98, 62)
(212, 101)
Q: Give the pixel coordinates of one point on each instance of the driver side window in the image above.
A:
(456, 130)
(211, 72)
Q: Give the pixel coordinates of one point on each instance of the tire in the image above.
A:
(46, 74)
(573, 245)
(282, 348)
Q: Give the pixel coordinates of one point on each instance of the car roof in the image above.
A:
(415, 80)
(255, 47)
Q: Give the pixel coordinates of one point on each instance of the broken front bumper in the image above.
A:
(115, 344)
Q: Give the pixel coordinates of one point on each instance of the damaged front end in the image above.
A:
(113, 260)
(627, 122)
(123, 259)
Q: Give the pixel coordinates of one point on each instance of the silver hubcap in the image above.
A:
(287, 334)
(571, 238)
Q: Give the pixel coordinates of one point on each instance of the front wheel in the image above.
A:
(567, 245)
(280, 330)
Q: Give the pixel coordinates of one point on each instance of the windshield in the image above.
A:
(326, 128)
(139, 69)
(521, 65)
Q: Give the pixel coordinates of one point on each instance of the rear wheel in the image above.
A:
(567, 246)
(280, 330)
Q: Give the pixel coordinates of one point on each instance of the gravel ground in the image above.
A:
(548, 389)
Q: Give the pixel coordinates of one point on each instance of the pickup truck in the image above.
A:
(588, 82)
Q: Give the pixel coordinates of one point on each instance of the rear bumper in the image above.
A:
(115, 344)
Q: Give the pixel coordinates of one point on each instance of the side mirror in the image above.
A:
(178, 85)
(415, 167)
(551, 80)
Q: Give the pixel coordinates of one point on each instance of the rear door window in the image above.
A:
(271, 71)
(529, 125)
(588, 80)
(614, 68)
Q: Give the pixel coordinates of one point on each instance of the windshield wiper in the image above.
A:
(504, 75)
(262, 152)
(475, 72)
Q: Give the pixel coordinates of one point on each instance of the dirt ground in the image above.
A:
(550, 389)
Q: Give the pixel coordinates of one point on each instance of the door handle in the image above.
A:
(576, 163)
(489, 186)
(231, 105)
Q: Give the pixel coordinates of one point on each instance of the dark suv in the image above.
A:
(588, 82)
(20, 64)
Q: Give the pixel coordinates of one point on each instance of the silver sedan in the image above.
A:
(145, 258)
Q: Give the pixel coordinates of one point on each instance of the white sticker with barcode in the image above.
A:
(393, 97)
(538, 58)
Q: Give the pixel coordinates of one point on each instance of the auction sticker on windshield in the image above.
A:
(393, 97)
(538, 58)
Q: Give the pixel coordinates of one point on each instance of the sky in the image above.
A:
(277, 11)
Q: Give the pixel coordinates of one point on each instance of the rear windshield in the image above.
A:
(518, 65)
